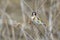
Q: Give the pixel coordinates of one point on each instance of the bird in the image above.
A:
(36, 19)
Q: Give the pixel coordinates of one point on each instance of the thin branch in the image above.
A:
(28, 6)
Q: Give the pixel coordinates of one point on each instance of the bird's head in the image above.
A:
(33, 13)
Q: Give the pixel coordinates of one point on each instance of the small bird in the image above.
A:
(35, 19)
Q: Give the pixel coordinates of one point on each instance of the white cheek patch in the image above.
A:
(32, 18)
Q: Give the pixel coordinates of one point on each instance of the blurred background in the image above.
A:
(15, 22)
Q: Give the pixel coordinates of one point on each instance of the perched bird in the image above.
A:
(35, 19)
